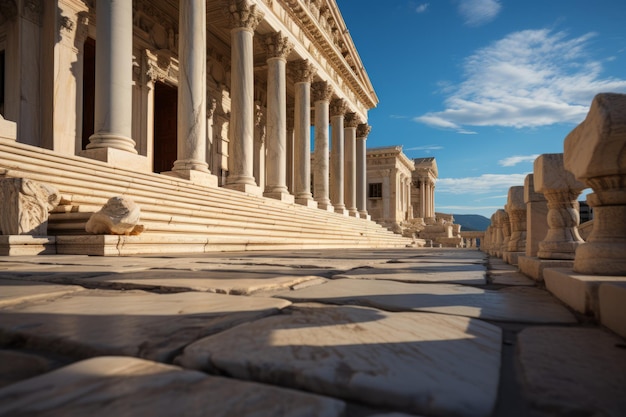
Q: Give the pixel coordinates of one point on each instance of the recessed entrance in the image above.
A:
(165, 120)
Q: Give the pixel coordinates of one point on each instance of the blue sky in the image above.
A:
(485, 86)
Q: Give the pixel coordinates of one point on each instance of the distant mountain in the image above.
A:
(472, 222)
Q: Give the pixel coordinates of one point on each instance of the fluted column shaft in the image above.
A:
(114, 62)
(192, 87)
(351, 122)
(338, 109)
(244, 19)
(303, 73)
(322, 93)
(361, 169)
(278, 47)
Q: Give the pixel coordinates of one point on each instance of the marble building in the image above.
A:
(214, 93)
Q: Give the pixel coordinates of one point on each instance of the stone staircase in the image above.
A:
(178, 215)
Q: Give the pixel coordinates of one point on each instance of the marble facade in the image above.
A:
(177, 88)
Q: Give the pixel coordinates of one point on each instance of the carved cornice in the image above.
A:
(159, 29)
(338, 107)
(363, 130)
(351, 120)
(243, 14)
(277, 45)
(321, 91)
(302, 70)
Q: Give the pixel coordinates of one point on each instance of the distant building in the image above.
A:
(423, 188)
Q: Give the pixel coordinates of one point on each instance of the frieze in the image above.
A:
(159, 29)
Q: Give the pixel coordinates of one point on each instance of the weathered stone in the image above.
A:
(561, 190)
(516, 209)
(133, 323)
(536, 216)
(25, 206)
(595, 151)
(16, 366)
(426, 363)
(14, 292)
(516, 304)
(119, 216)
(469, 274)
(573, 372)
(116, 386)
(612, 299)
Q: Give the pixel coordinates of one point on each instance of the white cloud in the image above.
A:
(422, 8)
(511, 161)
(478, 12)
(528, 79)
(486, 183)
(426, 148)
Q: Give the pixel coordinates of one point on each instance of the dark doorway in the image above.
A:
(165, 118)
(89, 89)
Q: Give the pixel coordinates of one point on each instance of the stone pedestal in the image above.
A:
(25, 206)
(536, 216)
(24, 245)
(595, 153)
(561, 190)
(516, 209)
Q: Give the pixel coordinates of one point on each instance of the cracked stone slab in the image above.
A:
(227, 281)
(14, 291)
(508, 277)
(515, 304)
(574, 371)
(122, 386)
(134, 323)
(434, 364)
(469, 274)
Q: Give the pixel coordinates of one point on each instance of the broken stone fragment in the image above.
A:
(119, 216)
(25, 206)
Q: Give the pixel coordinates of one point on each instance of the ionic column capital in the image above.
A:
(321, 91)
(302, 70)
(244, 14)
(277, 46)
(338, 107)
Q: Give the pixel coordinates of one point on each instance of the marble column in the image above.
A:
(278, 48)
(114, 62)
(350, 125)
(258, 159)
(321, 92)
(536, 216)
(561, 190)
(303, 73)
(361, 169)
(244, 18)
(594, 153)
(191, 161)
(338, 108)
(290, 150)
(422, 198)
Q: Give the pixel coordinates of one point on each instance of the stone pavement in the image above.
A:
(363, 333)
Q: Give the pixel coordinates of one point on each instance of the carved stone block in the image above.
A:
(25, 206)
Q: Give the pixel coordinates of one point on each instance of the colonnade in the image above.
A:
(426, 190)
(340, 187)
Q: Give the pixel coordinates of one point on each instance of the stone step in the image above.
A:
(173, 208)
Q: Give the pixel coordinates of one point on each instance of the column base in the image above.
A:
(307, 202)
(533, 267)
(245, 188)
(26, 245)
(325, 206)
(205, 179)
(281, 196)
(512, 257)
(8, 129)
(353, 213)
(118, 158)
(341, 210)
